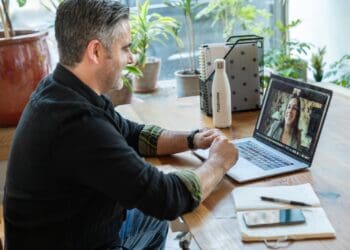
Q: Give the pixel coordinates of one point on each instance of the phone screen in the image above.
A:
(273, 217)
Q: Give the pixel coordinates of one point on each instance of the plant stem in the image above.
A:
(226, 26)
(188, 35)
(191, 43)
(8, 31)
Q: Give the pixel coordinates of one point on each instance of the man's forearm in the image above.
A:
(171, 142)
(210, 174)
(222, 156)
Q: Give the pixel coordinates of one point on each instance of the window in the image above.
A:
(204, 32)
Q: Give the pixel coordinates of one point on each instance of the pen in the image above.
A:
(291, 202)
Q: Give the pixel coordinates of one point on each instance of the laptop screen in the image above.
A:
(292, 116)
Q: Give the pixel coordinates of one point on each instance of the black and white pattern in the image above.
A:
(242, 68)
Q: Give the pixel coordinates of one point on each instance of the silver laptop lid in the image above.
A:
(292, 117)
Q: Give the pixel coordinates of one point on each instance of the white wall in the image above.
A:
(324, 22)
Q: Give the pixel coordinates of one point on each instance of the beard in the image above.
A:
(118, 84)
(112, 85)
(111, 81)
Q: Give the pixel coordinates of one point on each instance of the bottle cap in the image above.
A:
(220, 63)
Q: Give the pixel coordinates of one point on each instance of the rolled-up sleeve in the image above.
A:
(148, 139)
(191, 181)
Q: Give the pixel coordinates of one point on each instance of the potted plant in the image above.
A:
(287, 60)
(24, 61)
(147, 28)
(187, 79)
(318, 64)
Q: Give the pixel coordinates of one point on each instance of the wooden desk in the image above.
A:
(213, 223)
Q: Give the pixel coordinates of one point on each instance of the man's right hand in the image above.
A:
(223, 152)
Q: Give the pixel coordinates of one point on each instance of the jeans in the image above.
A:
(140, 231)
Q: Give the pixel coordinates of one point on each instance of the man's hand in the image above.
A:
(222, 156)
(205, 137)
(223, 152)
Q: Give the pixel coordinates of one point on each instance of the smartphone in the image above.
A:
(273, 217)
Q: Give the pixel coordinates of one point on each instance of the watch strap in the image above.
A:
(190, 138)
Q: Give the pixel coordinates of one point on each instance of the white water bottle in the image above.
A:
(221, 96)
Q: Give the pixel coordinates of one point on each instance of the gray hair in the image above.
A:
(80, 21)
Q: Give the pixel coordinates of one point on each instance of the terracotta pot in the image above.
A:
(24, 61)
(148, 82)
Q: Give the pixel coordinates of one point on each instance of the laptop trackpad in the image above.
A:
(244, 169)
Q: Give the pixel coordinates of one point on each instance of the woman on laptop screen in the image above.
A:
(286, 131)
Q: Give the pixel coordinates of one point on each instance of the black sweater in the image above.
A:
(74, 168)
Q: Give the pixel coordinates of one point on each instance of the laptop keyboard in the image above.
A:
(260, 156)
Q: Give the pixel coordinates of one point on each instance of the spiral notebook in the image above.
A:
(208, 54)
(317, 224)
(242, 68)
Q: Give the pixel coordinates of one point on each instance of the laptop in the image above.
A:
(286, 132)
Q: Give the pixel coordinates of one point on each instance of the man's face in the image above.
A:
(116, 59)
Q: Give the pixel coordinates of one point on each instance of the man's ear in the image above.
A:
(94, 51)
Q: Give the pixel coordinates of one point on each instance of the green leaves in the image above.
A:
(147, 28)
(284, 29)
(339, 72)
(318, 64)
(287, 60)
(131, 69)
(233, 13)
(21, 3)
(51, 5)
(128, 73)
(187, 7)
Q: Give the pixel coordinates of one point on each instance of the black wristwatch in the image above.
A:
(190, 138)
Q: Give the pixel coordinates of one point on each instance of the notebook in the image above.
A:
(289, 105)
(208, 54)
(317, 224)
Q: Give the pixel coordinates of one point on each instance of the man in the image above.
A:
(75, 178)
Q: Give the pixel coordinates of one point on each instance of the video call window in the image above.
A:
(292, 117)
